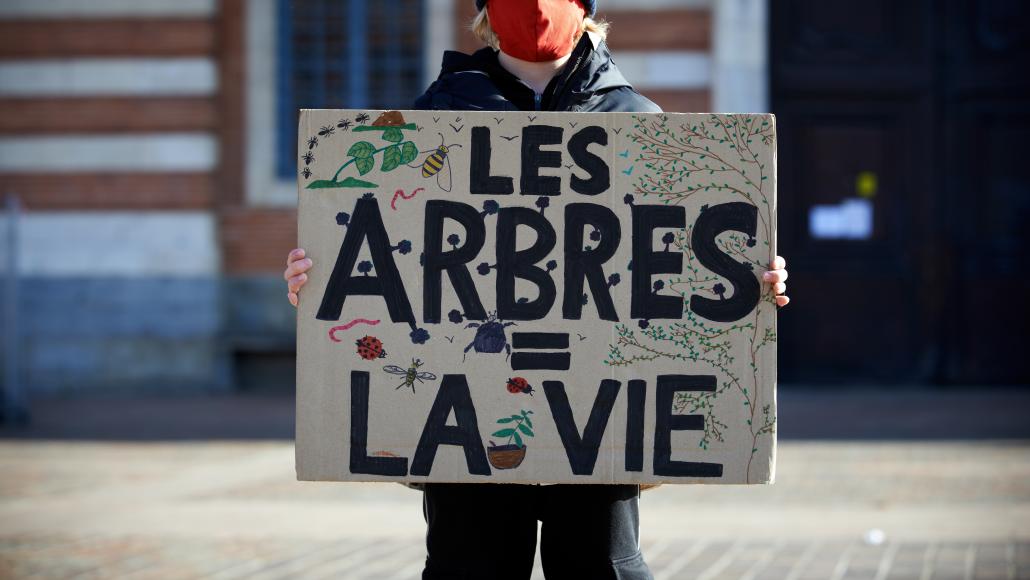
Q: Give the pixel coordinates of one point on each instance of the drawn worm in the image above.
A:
(332, 331)
(400, 193)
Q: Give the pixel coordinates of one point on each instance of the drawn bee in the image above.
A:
(435, 161)
(326, 131)
(312, 143)
(306, 172)
(410, 374)
(308, 158)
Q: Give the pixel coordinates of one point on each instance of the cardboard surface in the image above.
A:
(536, 297)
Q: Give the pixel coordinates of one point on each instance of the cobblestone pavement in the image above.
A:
(232, 510)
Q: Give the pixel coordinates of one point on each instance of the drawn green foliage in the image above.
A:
(408, 152)
(349, 182)
(362, 154)
(522, 424)
(681, 163)
(361, 150)
(525, 417)
(364, 164)
(391, 158)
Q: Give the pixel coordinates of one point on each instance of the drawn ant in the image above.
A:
(306, 172)
(326, 131)
(490, 337)
(435, 161)
(308, 157)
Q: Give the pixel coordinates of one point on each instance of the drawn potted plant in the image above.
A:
(511, 454)
(362, 155)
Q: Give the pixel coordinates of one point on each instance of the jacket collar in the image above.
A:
(590, 69)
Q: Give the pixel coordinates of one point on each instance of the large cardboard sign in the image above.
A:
(536, 297)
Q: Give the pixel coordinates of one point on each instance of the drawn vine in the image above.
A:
(682, 163)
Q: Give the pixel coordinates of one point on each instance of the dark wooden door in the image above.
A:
(903, 199)
(986, 112)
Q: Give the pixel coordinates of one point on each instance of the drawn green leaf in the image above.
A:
(408, 152)
(349, 182)
(506, 420)
(504, 433)
(393, 135)
(528, 421)
(525, 430)
(361, 150)
(391, 158)
(364, 164)
(518, 440)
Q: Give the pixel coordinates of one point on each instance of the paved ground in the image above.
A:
(232, 510)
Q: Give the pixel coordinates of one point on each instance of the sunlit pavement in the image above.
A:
(233, 510)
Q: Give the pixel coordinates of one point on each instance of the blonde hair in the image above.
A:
(485, 33)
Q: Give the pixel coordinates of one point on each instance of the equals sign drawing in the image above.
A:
(553, 361)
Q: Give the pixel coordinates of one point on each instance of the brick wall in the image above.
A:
(256, 240)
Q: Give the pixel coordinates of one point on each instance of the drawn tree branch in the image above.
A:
(714, 155)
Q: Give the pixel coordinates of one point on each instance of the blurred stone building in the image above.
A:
(150, 144)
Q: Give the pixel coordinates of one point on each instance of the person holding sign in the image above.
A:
(546, 55)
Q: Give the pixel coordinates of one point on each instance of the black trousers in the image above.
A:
(488, 531)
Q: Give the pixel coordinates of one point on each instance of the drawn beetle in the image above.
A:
(370, 348)
(520, 385)
(490, 337)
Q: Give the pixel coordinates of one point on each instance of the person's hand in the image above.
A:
(296, 266)
(777, 276)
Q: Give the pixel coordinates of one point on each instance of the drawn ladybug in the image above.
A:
(519, 385)
(370, 348)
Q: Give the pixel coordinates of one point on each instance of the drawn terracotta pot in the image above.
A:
(506, 456)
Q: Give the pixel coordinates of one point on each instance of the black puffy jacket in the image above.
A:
(590, 82)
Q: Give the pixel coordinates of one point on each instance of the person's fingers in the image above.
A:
(292, 296)
(779, 288)
(296, 282)
(294, 255)
(782, 300)
(778, 263)
(775, 276)
(298, 267)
